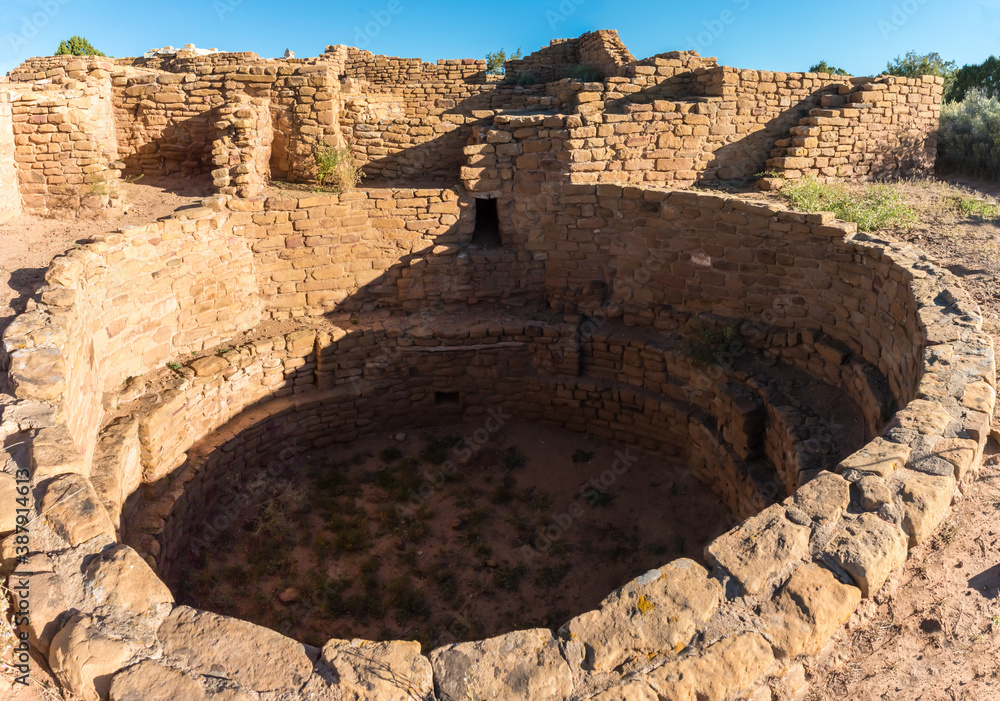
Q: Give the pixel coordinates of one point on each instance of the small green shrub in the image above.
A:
(508, 578)
(975, 208)
(713, 346)
(876, 207)
(390, 454)
(582, 456)
(586, 74)
(522, 79)
(970, 135)
(336, 168)
(513, 459)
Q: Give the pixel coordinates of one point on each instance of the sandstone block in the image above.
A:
(807, 610)
(256, 658)
(8, 503)
(869, 549)
(119, 577)
(151, 681)
(37, 373)
(661, 610)
(732, 665)
(84, 657)
(926, 500)
(209, 365)
(37, 581)
(759, 547)
(823, 498)
(394, 671)
(73, 509)
(880, 458)
(634, 691)
(521, 666)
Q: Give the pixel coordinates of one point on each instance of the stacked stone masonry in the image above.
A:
(302, 384)
(10, 193)
(147, 372)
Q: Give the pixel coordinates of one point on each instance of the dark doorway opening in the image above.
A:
(487, 231)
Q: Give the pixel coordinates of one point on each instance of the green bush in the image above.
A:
(76, 46)
(985, 76)
(824, 67)
(876, 207)
(495, 61)
(336, 168)
(586, 74)
(970, 135)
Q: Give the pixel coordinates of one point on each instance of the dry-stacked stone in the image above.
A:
(778, 586)
(127, 407)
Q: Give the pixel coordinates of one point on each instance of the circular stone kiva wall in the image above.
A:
(684, 326)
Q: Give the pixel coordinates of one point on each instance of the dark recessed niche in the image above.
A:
(487, 231)
(447, 399)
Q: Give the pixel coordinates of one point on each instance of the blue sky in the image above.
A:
(857, 35)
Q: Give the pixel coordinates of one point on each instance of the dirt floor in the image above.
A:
(518, 535)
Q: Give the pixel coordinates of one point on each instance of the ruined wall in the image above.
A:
(168, 122)
(126, 304)
(378, 246)
(66, 145)
(632, 134)
(930, 445)
(870, 129)
(662, 253)
(10, 193)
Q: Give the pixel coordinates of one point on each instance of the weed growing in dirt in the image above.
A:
(513, 459)
(336, 168)
(874, 207)
(974, 208)
(508, 578)
(712, 346)
(582, 456)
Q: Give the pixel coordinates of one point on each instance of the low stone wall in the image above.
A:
(10, 193)
(123, 305)
(779, 585)
(66, 150)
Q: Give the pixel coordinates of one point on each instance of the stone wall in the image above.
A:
(66, 149)
(125, 304)
(335, 386)
(640, 136)
(377, 246)
(816, 540)
(168, 122)
(10, 193)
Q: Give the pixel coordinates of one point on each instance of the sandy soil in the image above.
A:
(28, 243)
(466, 562)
